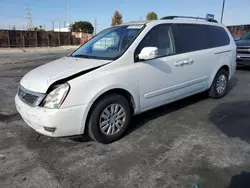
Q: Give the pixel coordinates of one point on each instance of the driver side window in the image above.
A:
(160, 37)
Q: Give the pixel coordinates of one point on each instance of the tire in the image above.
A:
(213, 91)
(99, 111)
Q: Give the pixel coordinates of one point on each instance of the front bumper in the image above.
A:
(64, 122)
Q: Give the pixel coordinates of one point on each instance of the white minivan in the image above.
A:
(126, 70)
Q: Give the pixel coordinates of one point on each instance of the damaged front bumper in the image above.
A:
(61, 122)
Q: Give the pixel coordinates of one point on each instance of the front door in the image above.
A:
(168, 77)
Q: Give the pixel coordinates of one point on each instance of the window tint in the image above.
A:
(160, 37)
(217, 36)
(193, 37)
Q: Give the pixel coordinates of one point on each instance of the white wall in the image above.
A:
(66, 29)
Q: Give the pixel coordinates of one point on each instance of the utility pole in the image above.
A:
(59, 43)
(69, 12)
(53, 27)
(222, 11)
(95, 25)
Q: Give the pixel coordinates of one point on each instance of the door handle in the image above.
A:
(188, 62)
(178, 64)
(183, 62)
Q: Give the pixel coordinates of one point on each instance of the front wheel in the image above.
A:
(220, 85)
(109, 118)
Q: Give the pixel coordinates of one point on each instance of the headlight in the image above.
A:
(56, 97)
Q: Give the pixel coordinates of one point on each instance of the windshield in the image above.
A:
(110, 43)
(247, 35)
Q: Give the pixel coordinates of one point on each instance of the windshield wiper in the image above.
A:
(93, 57)
(83, 56)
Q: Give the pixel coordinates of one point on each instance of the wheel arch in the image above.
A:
(132, 99)
(119, 91)
(225, 67)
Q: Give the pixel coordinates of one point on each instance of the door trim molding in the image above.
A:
(174, 88)
(223, 52)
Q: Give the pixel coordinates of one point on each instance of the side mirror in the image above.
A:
(236, 38)
(148, 53)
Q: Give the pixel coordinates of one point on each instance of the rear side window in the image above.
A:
(193, 37)
(217, 36)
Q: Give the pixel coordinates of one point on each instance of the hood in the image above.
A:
(243, 42)
(39, 79)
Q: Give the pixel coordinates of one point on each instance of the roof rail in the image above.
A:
(189, 17)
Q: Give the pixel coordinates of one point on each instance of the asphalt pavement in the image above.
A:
(195, 141)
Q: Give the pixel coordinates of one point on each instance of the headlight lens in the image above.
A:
(56, 97)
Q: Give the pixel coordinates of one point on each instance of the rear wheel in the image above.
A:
(109, 118)
(220, 85)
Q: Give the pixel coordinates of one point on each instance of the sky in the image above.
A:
(44, 12)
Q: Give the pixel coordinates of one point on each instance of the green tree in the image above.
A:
(39, 29)
(116, 19)
(152, 16)
(82, 26)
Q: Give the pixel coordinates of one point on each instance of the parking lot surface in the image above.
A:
(193, 141)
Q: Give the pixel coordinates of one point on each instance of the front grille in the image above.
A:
(29, 97)
(243, 49)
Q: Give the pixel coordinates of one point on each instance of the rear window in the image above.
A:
(193, 37)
